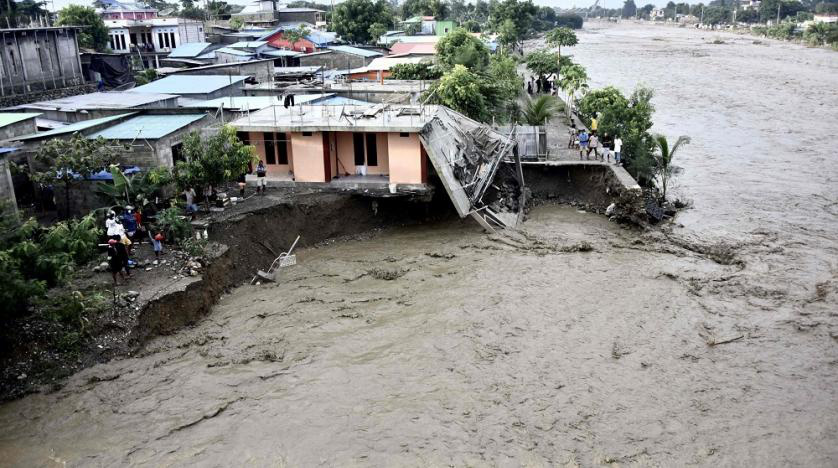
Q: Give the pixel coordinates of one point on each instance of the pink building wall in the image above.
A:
(346, 154)
(406, 159)
(257, 139)
(309, 159)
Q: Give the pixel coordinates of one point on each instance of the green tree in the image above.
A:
(236, 23)
(503, 85)
(768, 9)
(562, 37)
(569, 20)
(94, 35)
(520, 13)
(145, 77)
(415, 71)
(629, 9)
(295, 35)
(462, 90)
(630, 119)
(212, 161)
(822, 34)
(542, 63)
(66, 162)
(461, 48)
(663, 160)
(471, 26)
(377, 30)
(352, 19)
(540, 110)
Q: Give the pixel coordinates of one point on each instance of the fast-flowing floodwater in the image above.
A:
(713, 343)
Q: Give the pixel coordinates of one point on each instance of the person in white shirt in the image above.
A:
(618, 148)
(113, 226)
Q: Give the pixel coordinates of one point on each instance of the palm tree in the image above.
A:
(663, 160)
(539, 110)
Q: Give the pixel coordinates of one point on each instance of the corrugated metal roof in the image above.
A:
(282, 53)
(75, 127)
(109, 99)
(146, 126)
(8, 118)
(355, 51)
(189, 84)
(189, 50)
(231, 51)
(248, 44)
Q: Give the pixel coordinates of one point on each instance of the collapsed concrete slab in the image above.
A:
(466, 155)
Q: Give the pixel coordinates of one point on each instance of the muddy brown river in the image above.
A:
(712, 343)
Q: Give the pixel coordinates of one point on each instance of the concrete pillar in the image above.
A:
(22, 64)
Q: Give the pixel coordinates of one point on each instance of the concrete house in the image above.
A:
(337, 57)
(136, 27)
(38, 59)
(370, 146)
(267, 12)
(14, 124)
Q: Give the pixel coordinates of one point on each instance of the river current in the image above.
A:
(577, 343)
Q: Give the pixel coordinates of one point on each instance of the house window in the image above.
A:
(358, 143)
(270, 148)
(172, 37)
(243, 137)
(306, 133)
(283, 148)
(177, 153)
(404, 135)
(160, 40)
(372, 150)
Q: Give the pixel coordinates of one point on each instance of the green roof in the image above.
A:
(147, 126)
(75, 127)
(8, 118)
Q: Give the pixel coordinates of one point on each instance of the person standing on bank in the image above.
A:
(593, 145)
(618, 148)
(261, 177)
(583, 142)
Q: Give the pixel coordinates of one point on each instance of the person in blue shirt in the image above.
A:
(129, 222)
(583, 142)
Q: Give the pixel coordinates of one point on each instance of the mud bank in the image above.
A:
(246, 239)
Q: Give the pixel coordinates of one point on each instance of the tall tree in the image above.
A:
(213, 161)
(629, 9)
(67, 162)
(463, 91)
(460, 47)
(562, 37)
(353, 18)
(94, 35)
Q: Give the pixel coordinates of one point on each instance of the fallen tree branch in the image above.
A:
(729, 340)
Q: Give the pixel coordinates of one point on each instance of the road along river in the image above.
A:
(574, 342)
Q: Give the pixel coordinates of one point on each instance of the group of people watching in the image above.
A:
(588, 143)
(123, 231)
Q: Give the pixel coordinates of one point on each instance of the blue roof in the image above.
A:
(339, 101)
(231, 51)
(189, 84)
(147, 126)
(355, 51)
(8, 149)
(75, 127)
(189, 50)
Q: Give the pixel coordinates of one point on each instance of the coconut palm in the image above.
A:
(663, 160)
(539, 110)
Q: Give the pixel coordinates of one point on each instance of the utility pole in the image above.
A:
(701, 21)
(779, 4)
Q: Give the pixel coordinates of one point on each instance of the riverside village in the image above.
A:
(414, 232)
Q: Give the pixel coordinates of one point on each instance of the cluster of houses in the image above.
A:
(316, 111)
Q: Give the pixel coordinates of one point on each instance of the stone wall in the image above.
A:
(333, 60)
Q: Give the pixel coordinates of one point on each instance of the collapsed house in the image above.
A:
(386, 150)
